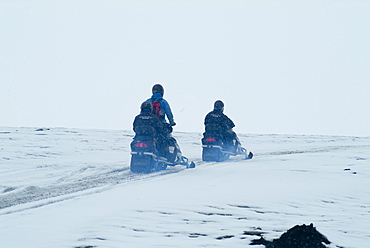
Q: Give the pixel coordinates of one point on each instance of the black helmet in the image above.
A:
(157, 88)
(146, 107)
(219, 105)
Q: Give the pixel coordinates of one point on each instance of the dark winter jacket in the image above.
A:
(147, 124)
(216, 117)
(165, 107)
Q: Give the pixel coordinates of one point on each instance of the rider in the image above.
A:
(218, 122)
(148, 124)
(164, 108)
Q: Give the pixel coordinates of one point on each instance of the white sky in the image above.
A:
(299, 67)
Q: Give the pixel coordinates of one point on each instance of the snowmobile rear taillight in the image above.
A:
(210, 140)
(141, 145)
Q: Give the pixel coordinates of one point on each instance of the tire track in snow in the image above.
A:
(61, 192)
(312, 150)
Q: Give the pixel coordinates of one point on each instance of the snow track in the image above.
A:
(43, 166)
(314, 150)
(64, 191)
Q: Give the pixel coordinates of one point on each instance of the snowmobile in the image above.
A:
(216, 148)
(147, 157)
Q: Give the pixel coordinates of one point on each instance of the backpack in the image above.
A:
(157, 108)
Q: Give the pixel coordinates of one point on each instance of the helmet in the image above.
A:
(157, 88)
(146, 107)
(219, 105)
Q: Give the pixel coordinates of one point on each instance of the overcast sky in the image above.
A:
(294, 67)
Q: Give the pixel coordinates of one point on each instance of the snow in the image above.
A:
(64, 187)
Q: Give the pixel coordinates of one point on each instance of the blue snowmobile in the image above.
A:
(146, 156)
(216, 148)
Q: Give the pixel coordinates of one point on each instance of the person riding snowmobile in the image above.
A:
(148, 124)
(216, 121)
(162, 109)
(161, 106)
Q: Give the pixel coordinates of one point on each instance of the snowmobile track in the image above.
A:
(42, 196)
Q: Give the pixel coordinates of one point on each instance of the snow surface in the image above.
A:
(73, 188)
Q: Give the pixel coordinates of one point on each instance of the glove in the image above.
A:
(173, 124)
(169, 128)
